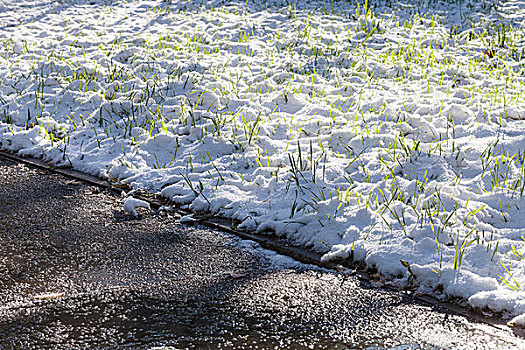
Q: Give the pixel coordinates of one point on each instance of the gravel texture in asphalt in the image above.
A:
(77, 272)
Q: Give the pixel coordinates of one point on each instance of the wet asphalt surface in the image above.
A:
(148, 282)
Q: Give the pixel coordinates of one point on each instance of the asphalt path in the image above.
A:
(77, 272)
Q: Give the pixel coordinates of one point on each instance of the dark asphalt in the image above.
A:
(141, 283)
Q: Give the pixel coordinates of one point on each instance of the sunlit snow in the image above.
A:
(381, 132)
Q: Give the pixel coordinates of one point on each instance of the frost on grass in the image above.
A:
(374, 131)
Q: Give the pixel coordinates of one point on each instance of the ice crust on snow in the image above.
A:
(381, 137)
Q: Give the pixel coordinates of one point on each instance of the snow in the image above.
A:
(186, 219)
(131, 204)
(387, 133)
(518, 321)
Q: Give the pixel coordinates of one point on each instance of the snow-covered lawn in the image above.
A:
(381, 132)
